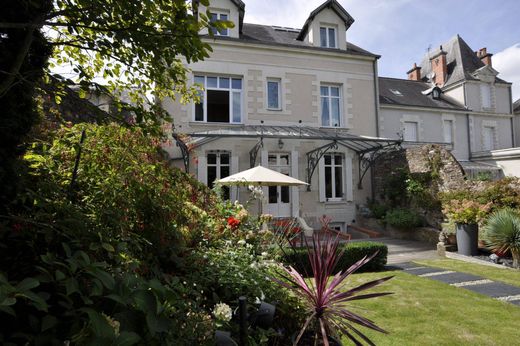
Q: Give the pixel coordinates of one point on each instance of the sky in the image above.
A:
(402, 30)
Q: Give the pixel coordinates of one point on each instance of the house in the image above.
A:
(453, 97)
(300, 101)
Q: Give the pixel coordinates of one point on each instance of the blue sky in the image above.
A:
(401, 30)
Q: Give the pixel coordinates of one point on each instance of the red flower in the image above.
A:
(17, 228)
(232, 222)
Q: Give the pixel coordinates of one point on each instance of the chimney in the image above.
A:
(439, 67)
(484, 56)
(414, 73)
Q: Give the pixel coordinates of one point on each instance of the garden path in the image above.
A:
(400, 250)
(493, 289)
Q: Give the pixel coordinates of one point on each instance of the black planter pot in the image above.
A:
(307, 339)
(467, 239)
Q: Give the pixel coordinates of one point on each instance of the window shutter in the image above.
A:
(295, 193)
(348, 175)
(264, 156)
(202, 172)
(321, 179)
(234, 169)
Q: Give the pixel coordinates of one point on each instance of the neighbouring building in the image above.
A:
(300, 101)
(453, 97)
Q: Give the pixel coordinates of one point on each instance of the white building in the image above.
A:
(303, 102)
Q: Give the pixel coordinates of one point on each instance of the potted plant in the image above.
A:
(466, 214)
(502, 233)
(324, 297)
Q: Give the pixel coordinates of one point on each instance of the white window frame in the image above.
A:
(219, 14)
(416, 130)
(231, 91)
(279, 96)
(332, 166)
(218, 165)
(327, 36)
(329, 101)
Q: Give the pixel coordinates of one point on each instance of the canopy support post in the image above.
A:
(184, 151)
(314, 156)
(253, 153)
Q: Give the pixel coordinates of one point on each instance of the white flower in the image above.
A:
(222, 312)
(241, 242)
(264, 254)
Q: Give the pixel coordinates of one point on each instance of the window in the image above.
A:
(327, 37)
(219, 17)
(410, 131)
(485, 94)
(220, 100)
(218, 166)
(448, 131)
(273, 94)
(330, 106)
(396, 92)
(333, 164)
(488, 140)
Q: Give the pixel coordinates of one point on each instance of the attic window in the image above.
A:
(436, 93)
(215, 17)
(396, 92)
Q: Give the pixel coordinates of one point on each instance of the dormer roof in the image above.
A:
(334, 6)
(241, 10)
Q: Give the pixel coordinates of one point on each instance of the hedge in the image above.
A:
(298, 258)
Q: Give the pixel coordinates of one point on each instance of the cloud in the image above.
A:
(507, 62)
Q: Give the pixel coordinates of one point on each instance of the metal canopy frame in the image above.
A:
(184, 151)
(367, 148)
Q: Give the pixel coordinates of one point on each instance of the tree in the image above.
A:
(137, 46)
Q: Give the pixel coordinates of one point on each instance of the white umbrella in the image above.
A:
(260, 176)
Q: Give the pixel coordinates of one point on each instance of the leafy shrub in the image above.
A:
(465, 211)
(502, 233)
(233, 269)
(354, 251)
(403, 219)
(378, 210)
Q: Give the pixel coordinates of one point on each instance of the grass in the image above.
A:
(427, 312)
(508, 276)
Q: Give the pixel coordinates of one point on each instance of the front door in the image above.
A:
(279, 197)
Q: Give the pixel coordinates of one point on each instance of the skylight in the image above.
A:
(396, 92)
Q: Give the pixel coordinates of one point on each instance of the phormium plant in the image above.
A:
(323, 294)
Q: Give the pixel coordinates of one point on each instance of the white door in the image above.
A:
(279, 197)
(410, 131)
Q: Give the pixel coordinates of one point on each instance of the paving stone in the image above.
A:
(402, 266)
(516, 302)
(455, 277)
(495, 289)
(424, 270)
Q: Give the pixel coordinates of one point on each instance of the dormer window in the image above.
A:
(218, 16)
(436, 93)
(328, 37)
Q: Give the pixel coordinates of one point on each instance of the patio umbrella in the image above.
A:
(260, 176)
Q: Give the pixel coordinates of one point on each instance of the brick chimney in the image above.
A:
(439, 67)
(414, 73)
(484, 56)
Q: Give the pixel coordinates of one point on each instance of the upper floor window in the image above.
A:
(328, 37)
(485, 94)
(410, 133)
(220, 100)
(330, 105)
(216, 16)
(273, 94)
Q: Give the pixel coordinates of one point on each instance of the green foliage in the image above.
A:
(502, 233)
(403, 219)
(378, 209)
(232, 269)
(465, 211)
(298, 257)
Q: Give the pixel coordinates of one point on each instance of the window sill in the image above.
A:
(214, 123)
(335, 201)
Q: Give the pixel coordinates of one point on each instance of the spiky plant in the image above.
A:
(324, 296)
(502, 233)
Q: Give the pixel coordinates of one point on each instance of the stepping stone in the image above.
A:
(403, 266)
(424, 270)
(455, 278)
(516, 302)
(495, 289)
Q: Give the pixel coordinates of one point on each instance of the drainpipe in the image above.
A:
(467, 120)
(513, 139)
(376, 103)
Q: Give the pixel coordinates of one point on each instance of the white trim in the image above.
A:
(329, 98)
(409, 118)
(295, 191)
(280, 102)
(233, 193)
(348, 178)
(219, 14)
(327, 27)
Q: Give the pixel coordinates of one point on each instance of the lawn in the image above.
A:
(508, 276)
(427, 312)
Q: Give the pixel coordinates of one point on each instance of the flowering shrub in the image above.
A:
(222, 312)
(466, 211)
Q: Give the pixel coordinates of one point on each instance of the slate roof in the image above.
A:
(516, 107)
(461, 60)
(279, 36)
(410, 94)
